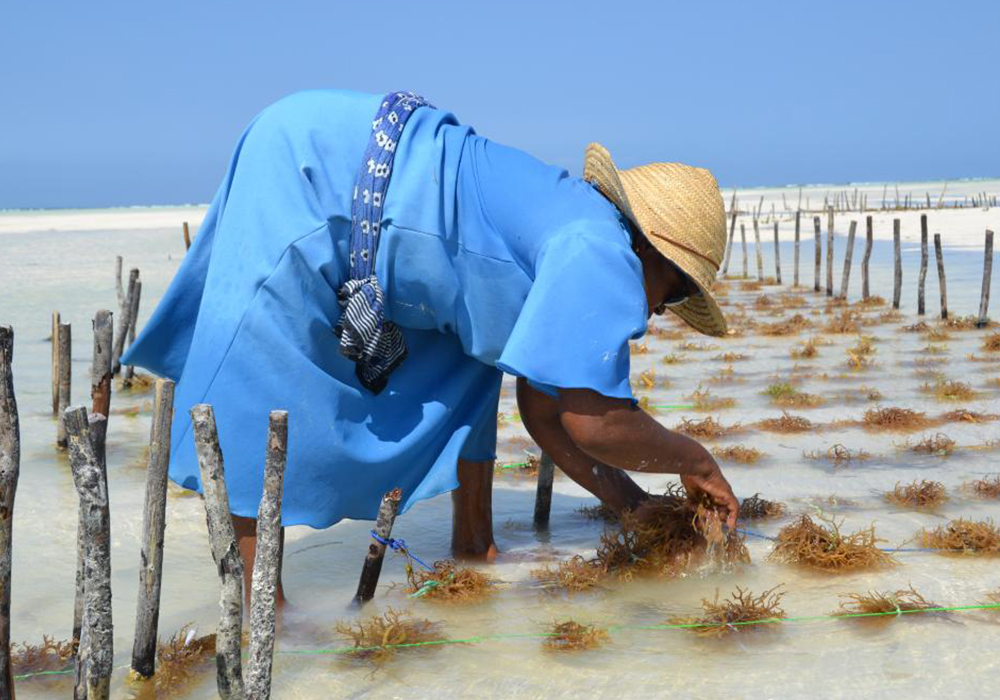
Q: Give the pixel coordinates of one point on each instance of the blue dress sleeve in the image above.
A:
(585, 304)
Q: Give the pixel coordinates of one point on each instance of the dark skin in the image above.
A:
(592, 438)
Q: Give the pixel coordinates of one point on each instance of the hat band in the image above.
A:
(671, 241)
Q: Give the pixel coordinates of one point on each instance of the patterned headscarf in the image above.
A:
(375, 345)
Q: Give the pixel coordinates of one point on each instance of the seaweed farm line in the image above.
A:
(840, 463)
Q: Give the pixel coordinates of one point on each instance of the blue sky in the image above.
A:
(114, 103)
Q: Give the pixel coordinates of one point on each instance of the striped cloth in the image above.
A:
(375, 345)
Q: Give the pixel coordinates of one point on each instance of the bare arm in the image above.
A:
(616, 433)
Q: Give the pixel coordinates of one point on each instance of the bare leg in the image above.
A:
(472, 512)
(246, 540)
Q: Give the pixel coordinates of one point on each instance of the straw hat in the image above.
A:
(680, 210)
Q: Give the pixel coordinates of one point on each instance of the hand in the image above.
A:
(712, 483)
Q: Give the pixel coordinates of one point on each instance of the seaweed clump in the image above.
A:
(599, 512)
(738, 453)
(179, 661)
(572, 636)
(968, 536)
(938, 444)
(806, 350)
(992, 343)
(740, 611)
(667, 535)
(878, 605)
(839, 454)
(706, 429)
(786, 423)
(788, 326)
(922, 495)
(824, 547)
(573, 575)
(950, 390)
(757, 508)
(894, 418)
(965, 416)
(987, 487)
(704, 401)
(379, 638)
(50, 655)
(785, 394)
(449, 583)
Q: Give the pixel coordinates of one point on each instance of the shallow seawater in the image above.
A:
(952, 655)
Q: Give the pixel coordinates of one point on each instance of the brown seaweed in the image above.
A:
(50, 655)
(570, 635)
(574, 575)
(937, 444)
(757, 508)
(738, 453)
(968, 536)
(379, 638)
(706, 428)
(950, 390)
(741, 612)
(963, 415)
(786, 423)
(839, 454)
(987, 487)
(810, 544)
(922, 495)
(878, 604)
(894, 418)
(450, 583)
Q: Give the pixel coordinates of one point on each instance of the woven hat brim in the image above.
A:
(701, 311)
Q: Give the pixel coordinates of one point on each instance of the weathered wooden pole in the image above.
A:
(92, 488)
(376, 548)
(848, 256)
(124, 321)
(147, 613)
(818, 247)
(760, 261)
(65, 380)
(984, 299)
(777, 254)
(922, 280)
(869, 239)
(100, 368)
(267, 562)
(829, 252)
(743, 237)
(543, 492)
(732, 233)
(129, 372)
(10, 465)
(225, 552)
(942, 285)
(187, 237)
(55, 362)
(119, 290)
(798, 217)
(897, 279)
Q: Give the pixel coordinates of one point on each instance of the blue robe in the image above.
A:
(491, 262)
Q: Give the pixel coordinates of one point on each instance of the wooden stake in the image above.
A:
(942, 285)
(829, 252)
(100, 368)
(10, 465)
(226, 554)
(376, 549)
(55, 363)
(119, 290)
(129, 372)
(848, 255)
(777, 255)
(819, 252)
(869, 240)
(732, 232)
(798, 217)
(147, 614)
(760, 261)
(267, 562)
(543, 491)
(897, 284)
(124, 322)
(984, 299)
(922, 280)
(65, 380)
(92, 488)
(743, 237)
(187, 237)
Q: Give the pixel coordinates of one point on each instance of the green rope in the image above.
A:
(475, 639)
(618, 628)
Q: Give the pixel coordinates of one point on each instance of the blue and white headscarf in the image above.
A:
(375, 345)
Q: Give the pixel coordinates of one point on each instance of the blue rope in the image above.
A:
(884, 549)
(400, 546)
